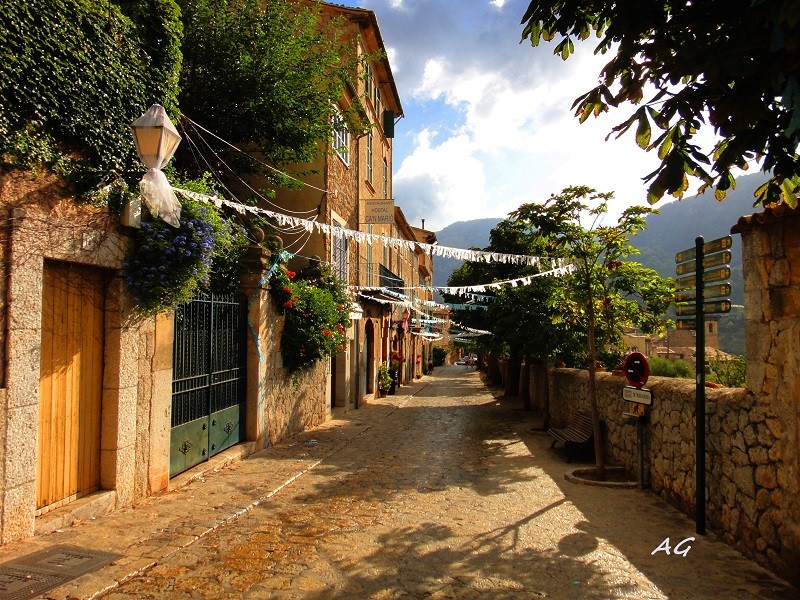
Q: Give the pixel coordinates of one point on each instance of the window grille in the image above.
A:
(339, 258)
(368, 80)
(369, 157)
(341, 138)
(370, 271)
(385, 179)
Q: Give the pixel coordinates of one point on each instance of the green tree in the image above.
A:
(74, 74)
(730, 372)
(605, 294)
(729, 65)
(518, 317)
(265, 76)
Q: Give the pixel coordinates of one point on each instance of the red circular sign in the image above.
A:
(637, 370)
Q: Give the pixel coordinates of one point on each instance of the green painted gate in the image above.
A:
(208, 378)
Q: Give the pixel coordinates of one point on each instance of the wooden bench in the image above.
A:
(579, 431)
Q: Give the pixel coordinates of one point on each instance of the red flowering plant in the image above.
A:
(317, 316)
(396, 359)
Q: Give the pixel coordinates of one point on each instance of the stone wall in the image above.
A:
(292, 403)
(278, 404)
(771, 267)
(751, 488)
(46, 225)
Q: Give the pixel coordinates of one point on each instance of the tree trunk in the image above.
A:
(600, 461)
(525, 384)
(546, 394)
(494, 370)
(512, 372)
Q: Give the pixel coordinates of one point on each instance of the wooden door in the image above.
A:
(70, 384)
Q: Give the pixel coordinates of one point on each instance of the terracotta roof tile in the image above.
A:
(770, 214)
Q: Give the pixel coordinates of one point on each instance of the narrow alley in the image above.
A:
(443, 491)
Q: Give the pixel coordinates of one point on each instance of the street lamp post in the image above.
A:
(156, 141)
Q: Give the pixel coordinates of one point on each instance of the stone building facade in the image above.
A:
(354, 168)
(118, 382)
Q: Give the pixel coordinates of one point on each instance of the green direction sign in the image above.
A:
(710, 276)
(718, 274)
(712, 260)
(718, 245)
(717, 306)
(685, 324)
(719, 290)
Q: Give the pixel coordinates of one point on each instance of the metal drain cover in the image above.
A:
(30, 575)
(16, 584)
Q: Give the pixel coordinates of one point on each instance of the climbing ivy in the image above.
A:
(75, 73)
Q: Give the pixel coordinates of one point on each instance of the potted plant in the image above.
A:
(395, 364)
(384, 379)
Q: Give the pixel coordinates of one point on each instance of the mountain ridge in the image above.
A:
(672, 229)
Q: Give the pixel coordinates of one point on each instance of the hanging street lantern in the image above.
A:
(156, 141)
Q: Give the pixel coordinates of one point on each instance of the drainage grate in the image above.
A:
(29, 576)
(16, 584)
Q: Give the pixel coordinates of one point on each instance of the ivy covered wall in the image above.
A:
(75, 73)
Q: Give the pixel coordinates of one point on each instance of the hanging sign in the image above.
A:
(717, 306)
(378, 211)
(637, 395)
(717, 245)
(719, 274)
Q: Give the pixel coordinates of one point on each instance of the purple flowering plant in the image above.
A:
(169, 265)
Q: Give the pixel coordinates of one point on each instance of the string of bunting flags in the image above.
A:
(562, 267)
(361, 237)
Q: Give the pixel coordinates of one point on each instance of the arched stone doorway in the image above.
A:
(369, 335)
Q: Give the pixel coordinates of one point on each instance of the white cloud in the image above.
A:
(394, 63)
(522, 140)
(488, 123)
(439, 181)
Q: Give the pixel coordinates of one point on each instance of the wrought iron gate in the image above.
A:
(208, 378)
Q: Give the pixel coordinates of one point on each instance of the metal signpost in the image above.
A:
(637, 370)
(707, 300)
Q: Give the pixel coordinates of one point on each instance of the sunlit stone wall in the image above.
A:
(751, 481)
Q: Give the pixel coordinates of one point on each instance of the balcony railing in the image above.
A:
(389, 280)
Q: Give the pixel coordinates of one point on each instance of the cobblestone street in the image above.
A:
(450, 496)
(446, 493)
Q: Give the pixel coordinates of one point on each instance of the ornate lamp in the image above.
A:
(156, 141)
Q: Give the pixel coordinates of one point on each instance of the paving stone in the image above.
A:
(443, 491)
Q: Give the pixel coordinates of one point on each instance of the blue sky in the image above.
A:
(488, 124)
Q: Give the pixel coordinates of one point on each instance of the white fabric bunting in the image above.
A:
(370, 238)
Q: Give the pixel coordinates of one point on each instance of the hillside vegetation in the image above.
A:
(673, 229)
